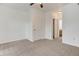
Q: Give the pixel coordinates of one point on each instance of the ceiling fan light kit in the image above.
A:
(41, 5)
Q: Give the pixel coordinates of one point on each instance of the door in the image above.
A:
(53, 28)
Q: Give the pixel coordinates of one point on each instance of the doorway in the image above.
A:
(57, 25)
(53, 28)
(60, 28)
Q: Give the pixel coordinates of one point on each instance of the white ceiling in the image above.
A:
(25, 6)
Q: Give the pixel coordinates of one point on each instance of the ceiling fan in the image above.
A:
(41, 5)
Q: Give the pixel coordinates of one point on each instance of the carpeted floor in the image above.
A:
(38, 48)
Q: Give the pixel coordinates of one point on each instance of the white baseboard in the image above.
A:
(72, 44)
(3, 42)
(7, 41)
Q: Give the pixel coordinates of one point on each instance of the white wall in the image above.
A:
(14, 25)
(17, 25)
(49, 25)
(71, 24)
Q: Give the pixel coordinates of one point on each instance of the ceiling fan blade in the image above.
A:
(31, 4)
(41, 5)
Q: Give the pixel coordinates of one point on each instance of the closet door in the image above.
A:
(37, 29)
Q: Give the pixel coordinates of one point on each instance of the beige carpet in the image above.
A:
(38, 48)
